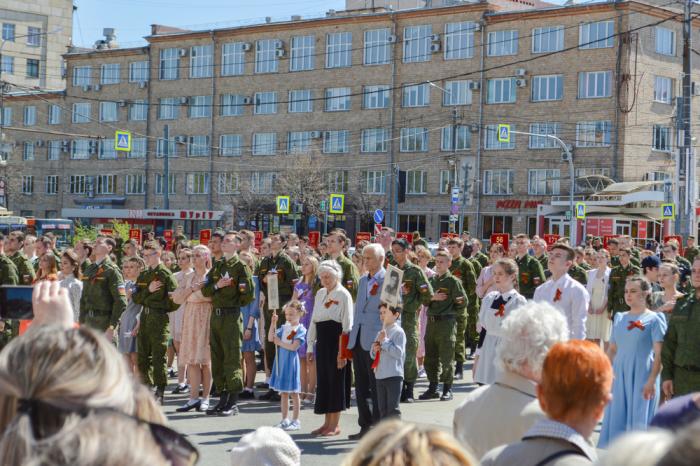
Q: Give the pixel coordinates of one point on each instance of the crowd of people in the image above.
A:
(562, 338)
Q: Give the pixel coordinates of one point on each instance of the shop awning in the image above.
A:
(627, 187)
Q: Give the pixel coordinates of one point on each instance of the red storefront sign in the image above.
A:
(593, 226)
(449, 235)
(204, 237)
(107, 232)
(517, 204)
(258, 239)
(642, 229)
(135, 233)
(168, 237)
(501, 238)
(605, 227)
(363, 236)
(551, 240)
(407, 236)
(314, 239)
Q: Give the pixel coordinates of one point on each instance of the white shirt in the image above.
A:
(488, 317)
(340, 309)
(572, 302)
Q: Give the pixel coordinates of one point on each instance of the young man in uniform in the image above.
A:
(691, 250)
(230, 285)
(8, 276)
(463, 270)
(477, 253)
(531, 274)
(385, 238)
(215, 241)
(153, 288)
(104, 297)
(13, 246)
(418, 241)
(448, 302)
(336, 243)
(416, 291)
(539, 247)
(618, 279)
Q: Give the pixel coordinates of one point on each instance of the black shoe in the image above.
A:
(160, 392)
(403, 394)
(446, 392)
(213, 392)
(172, 373)
(190, 405)
(358, 435)
(246, 395)
(223, 401)
(262, 385)
(268, 396)
(275, 397)
(409, 393)
(231, 408)
(431, 393)
(459, 371)
(180, 388)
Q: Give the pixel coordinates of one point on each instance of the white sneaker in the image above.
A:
(421, 373)
(204, 405)
(294, 425)
(284, 424)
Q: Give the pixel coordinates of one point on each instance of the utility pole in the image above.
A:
(686, 157)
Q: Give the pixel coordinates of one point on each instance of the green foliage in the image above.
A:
(121, 229)
(88, 232)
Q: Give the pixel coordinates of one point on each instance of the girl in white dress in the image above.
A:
(598, 322)
(495, 307)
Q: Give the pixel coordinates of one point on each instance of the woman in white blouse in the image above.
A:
(485, 283)
(331, 319)
(598, 322)
(70, 279)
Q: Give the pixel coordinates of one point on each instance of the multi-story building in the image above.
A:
(35, 35)
(349, 101)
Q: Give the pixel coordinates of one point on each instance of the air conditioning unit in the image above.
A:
(184, 100)
(315, 134)
(86, 87)
(97, 88)
(93, 147)
(435, 37)
(477, 27)
(474, 128)
(564, 157)
(247, 101)
(122, 103)
(65, 146)
(435, 47)
(181, 139)
(474, 85)
(143, 84)
(391, 39)
(695, 87)
(247, 46)
(521, 82)
(39, 143)
(279, 44)
(183, 52)
(520, 72)
(279, 53)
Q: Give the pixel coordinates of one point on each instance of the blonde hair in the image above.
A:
(395, 443)
(314, 266)
(204, 250)
(298, 305)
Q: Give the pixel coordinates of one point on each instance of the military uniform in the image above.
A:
(683, 262)
(543, 260)
(416, 292)
(84, 265)
(226, 323)
(615, 261)
(585, 266)
(530, 275)
(104, 297)
(680, 354)
(463, 270)
(476, 265)
(152, 340)
(24, 268)
(616, 289)
(8, 276)
(350, 276)
(691, 253)
(482, 258)
(579, 274)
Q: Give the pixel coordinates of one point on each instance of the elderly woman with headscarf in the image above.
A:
(331, 319)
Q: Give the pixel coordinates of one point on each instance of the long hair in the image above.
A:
(52, 274)
(72, 257)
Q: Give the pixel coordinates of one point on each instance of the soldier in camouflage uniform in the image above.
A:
(691, 250)
(335, 243)
(83, 249)
(462, 269)
(448, 302)
(385, 238)
(531, 274)
(670, 251)
(13, 246)
(477, 253)
(153, 288)
(230, 285)
(8, 276)
(416, 291)
(679, 355)
(579, 274)
(618, 278)
(539, 247)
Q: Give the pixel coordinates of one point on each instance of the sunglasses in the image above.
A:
(173, 445)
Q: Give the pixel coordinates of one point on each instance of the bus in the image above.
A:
(62, 228)
(10, 223)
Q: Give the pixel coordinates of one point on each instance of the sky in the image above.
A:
(132, 18)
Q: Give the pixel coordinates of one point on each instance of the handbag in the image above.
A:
(344, 352)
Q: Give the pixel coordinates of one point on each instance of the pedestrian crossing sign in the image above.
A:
(668, 211)
(503, 133)
(122, 141)
(282, 204)
(337, 203)
(580, 210)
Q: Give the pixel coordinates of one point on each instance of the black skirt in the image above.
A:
(333, 384)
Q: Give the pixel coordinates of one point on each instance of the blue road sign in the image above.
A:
(580, 210)
(668, 211)
(378, 216)
(337, 204)
(282, 204)
(122, 140)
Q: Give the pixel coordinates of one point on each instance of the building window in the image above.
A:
(27, 184)
(374, 182)
(501, 91)
(138, 148)
(375, 140)
(665, 41)
(202, 61)
(543, 182)
(200, 106)
(546, 88)
(502, 43)
(230, 145)
(6, 116)
(29, 115)
(28, 152)
(265, 103)
(266, 60)
(594, 84)
(198, 146)
(491, 141)
(339, 50)
(335, 142)
(81, 112)
(80, 149)
(497, 224)
(458, 93)
(106, 184)
(107, 150)
(168, 108)
(663, 89)
(160, 181)
(198, 183)
(32, 68)
(233, 59)
(138, 71)
(547, 39)
(161, 147)
(82, 76)
(416, 95)
(376, 97)
(541, 142)
(110, 73)
(108, 111)
(338, 99)
(232, 105)
(338, 181)
(416, 182)
(416, 43)
(448, 179)
(498, 182)
(298, 142)
(7, 65)
(138, 110)
(459, 40)
(8, 32)
(262, 182)
(264, 143)
(661, 138)
(597, 35)
(169, 63)
(377, 47)
(78, 184)
(52, 184)
(300, 101)
(582, 183)
(593, 133)
(414, 139)
(464, 138)
(54, 151)
(228, 183)
(33, 36)
(303, 53)
(54, 114)
(136, 184)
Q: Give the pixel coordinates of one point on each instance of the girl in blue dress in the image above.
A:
(635, 352)
(286, 371)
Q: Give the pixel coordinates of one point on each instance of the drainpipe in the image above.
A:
(212, 184)
(148, 122)
(477, 170)
(618, 84)
(392, 200)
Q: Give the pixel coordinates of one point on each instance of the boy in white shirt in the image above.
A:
(389, 353)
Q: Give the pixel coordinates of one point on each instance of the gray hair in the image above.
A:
(331, 266)
(528, 333)
(643, 448)
(376, 248)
